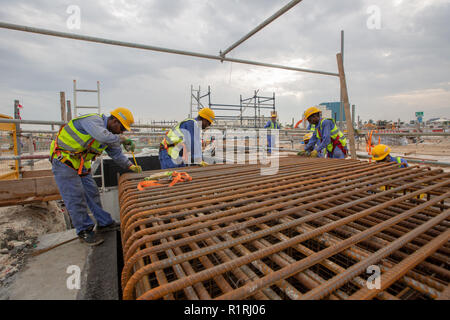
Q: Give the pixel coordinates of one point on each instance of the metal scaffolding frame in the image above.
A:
(221, 57)
(254, 102)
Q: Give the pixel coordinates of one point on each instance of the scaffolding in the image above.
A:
(235, 114)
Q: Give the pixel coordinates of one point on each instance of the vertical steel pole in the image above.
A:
(19, 147)
(75, 99)
(353, 114)
(98, 97)
(69, 111)
(62, 100)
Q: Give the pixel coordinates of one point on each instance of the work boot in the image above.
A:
(88, 237)
(113, 226)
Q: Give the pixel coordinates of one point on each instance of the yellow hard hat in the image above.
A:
(379, 152)
(311, 111)
(124, 116)
(273, 114)
(207, 114)
(307, 136)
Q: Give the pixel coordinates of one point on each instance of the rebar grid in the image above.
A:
(308, 232)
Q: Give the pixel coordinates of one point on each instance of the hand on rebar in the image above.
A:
(134, 168)
(314, 154)
(302, 153)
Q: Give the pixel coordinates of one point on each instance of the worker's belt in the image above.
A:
(337, 143)
(69, 163)
(165, 147)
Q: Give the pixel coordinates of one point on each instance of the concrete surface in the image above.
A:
(92, 272)
(44, 277)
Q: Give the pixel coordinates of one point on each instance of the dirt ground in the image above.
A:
(20, 227)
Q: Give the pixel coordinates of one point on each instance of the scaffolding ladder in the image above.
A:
(95, 109)
(76, 106)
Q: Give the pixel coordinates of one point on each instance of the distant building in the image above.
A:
(335, 109)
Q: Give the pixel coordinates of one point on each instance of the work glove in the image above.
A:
(203, 164)
(136, 169)
(303, 153)
(314, 154)
(129, 145)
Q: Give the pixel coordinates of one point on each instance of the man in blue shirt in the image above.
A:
(76, 144)
(184, 140)
(327, 137)
(272, 124)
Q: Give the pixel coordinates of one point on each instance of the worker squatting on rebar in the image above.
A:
(327, 136)
(184, 139)
(71, 153)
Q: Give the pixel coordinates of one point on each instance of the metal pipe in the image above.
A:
(277, 14)
(154, 48)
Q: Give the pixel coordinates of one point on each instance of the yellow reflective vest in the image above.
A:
(337, 137)
(173, 141)
(78, 148)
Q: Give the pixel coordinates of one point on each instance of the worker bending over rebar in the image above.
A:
(184, 141)
(71, 153)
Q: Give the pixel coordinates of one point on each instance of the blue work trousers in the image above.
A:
(79, 193)
(336, 154)
(166, 161)
(270, 143)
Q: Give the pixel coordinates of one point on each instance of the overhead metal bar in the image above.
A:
(12, 26)
(260, 26)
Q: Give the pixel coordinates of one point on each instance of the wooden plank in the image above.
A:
(30, 189)
(37, 173)
(348, 117)
(16, 189)
(45, 186)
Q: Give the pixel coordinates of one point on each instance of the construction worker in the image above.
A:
(183, 140)
(71, 153)
(307, 137)
(327, 136)
(272, 124)
(381, 152)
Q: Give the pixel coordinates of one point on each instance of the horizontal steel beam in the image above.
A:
(66, 35)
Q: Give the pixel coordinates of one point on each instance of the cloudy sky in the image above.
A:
(395, 66)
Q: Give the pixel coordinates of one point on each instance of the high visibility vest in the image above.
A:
(337, 137)
(78, 148)
(399, 161)
(274, 125)
(173, 141)
(312, 128)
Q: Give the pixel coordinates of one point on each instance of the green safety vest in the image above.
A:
(399, 161)
(275, 125)
(312, 128)
(172, 142)
(76, 147)
(335, 134)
